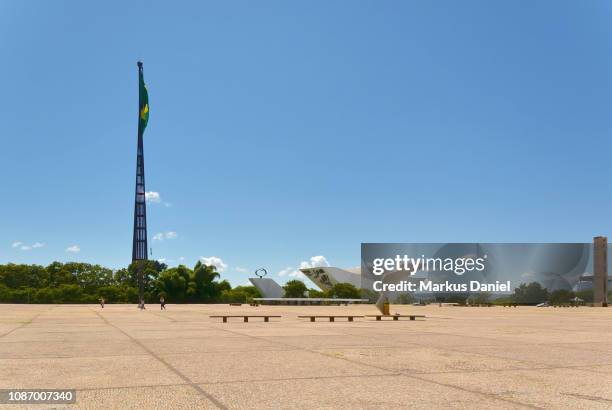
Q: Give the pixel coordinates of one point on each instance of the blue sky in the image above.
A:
(282, 131)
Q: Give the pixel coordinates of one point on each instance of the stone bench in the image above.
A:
(245, 317)
(395, 317)
(331, 318)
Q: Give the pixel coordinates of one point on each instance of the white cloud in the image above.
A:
(239, 269)
(165, 235)
(155, 198)
(214, 261)
(314, 262)
(291, 272)
(287, 271)
(181, 258)
(25, 247)
(152, 196)
(73, 249)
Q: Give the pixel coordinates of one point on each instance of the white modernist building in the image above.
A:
(325, 277)
(273, 293)
(268, 287)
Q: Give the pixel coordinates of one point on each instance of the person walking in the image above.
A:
(162, 303)
(102, 303)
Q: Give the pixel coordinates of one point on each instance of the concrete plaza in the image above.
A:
(458, 357)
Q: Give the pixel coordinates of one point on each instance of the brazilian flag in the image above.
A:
(143, 103)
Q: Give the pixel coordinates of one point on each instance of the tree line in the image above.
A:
(534, 293)
(297, 289)
(531, 293)
(76, 282)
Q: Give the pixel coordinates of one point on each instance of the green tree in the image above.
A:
(173, 284)
(150, 270)
(480, 298)
(72, 294)
(240, 294)
(561, 296)
(18, 276)
(295, 289)
(225, 285)
(504, 300)
(46, 295)
(343, 291)
(587, 295)
(59, 275)
(118, 294)
(314, 293)
(530, 294)
(21, 295)
(206, 289)
(123, 277)
(76, 282)
(89, 277)
(369, 294)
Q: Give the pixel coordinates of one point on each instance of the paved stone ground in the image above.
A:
(119, 357)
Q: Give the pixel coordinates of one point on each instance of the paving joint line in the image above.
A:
(191, 383)
(540, 365)
(22, 325)
(395, 372)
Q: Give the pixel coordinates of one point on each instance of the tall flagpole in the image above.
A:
(139, 242)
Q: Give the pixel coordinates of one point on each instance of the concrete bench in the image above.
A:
(395, 317)
(331, 318)
(235, 304)
(245, 317)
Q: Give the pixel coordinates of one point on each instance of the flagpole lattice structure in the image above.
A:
(139, 242)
